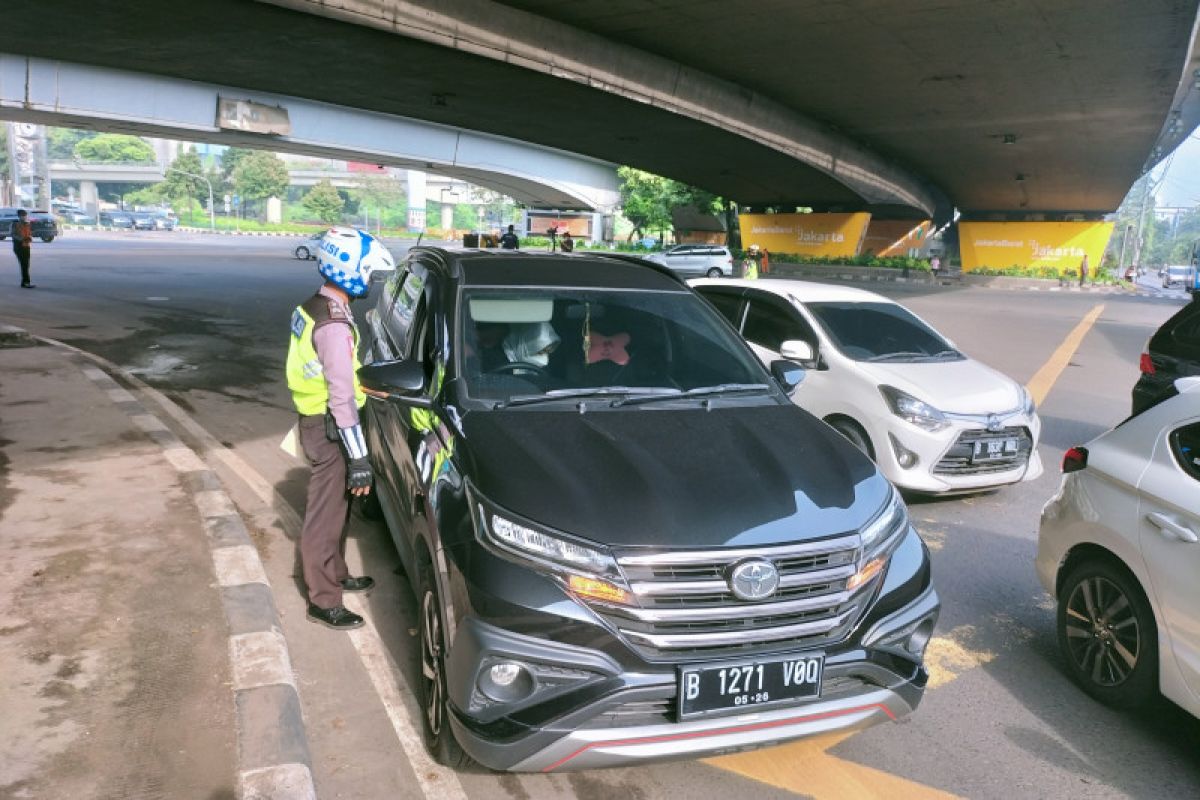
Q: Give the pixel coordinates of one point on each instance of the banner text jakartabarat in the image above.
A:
(805, 234)
(1059, 246)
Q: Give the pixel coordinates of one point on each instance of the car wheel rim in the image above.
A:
(1102, 629)
(431, 663)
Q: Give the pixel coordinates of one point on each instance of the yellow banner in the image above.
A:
(805, 234)
(1057, 246)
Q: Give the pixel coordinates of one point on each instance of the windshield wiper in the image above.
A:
(699, 391)
(569, 394)
(901, 356)
(951, 353)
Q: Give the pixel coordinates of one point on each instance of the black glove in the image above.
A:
(358, 474)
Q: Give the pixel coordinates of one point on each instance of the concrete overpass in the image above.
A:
(61, 93)
(1023, 107)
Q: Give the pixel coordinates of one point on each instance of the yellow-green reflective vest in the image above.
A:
(305, 375)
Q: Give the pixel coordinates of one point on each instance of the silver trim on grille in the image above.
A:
(731, 611)
(685, 640)
(652, 588)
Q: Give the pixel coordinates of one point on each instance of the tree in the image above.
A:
(60, 142)
(260, 175)
(378, 192)
(230, 160)
(180, 186)
(115, 148)
(646, 200)
(324, 202)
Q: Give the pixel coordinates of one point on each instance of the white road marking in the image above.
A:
(260, 659)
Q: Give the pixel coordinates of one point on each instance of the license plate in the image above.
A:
(748, 684)
(993, 449)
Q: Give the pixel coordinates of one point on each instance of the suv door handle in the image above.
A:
(1169, 527)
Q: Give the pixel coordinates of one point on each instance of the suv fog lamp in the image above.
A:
(506, 682)
(906, 458)
(597, 589)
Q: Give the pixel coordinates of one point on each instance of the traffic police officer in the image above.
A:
(322, 373)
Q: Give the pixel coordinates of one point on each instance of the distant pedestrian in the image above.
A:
(765, 263)
(935, 266)
(22, 238)
(567, 243)
(509, 240)
(1083, 270)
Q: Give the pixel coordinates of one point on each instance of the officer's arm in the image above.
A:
(334, 343)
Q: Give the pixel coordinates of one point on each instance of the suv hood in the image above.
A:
(960, 387)
(658, 478)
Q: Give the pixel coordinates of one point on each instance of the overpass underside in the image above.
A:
(1021, 108)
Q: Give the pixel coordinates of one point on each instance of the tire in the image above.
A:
(431, 683)
(854, 433)
(302, 253)
(1103, 620)
(714, 272)
(47, 239)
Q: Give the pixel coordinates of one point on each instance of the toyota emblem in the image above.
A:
(753, 580)
(993, 423)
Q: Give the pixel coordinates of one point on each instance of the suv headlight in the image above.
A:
(586, 569)
(879, 538)
(912, 410)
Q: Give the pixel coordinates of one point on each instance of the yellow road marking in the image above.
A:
(807, 766)
(1043, 380)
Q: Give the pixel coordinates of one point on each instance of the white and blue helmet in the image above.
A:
(348, 256)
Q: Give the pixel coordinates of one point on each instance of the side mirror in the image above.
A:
(799, 351)
(788, 374)
(402, 380)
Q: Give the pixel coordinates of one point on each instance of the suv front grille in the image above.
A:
(960, 458)
(686, 608)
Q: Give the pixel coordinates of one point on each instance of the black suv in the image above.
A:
(622, 536)
(42, 224)
(1173, 352)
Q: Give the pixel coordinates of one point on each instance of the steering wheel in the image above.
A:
(519, 366)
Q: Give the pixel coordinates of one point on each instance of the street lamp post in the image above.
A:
(212, 221)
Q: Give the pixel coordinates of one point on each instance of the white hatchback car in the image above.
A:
(934, 420)
(1120, 550)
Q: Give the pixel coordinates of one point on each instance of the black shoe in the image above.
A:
(339, 618)
(28, 285)
(359, 584)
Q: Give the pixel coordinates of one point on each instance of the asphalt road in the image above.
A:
(204, 319)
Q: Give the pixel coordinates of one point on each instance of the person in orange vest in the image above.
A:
(22, 238)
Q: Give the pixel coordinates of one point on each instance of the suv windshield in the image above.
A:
(548, 342)
(881, 332)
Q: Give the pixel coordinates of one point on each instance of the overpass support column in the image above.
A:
(597, 227)
(89, 197)
(416, 200)
(447, 216)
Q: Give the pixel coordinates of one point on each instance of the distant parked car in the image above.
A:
(307, 250)
(1173, 352)
(143, 220)
(76, 217)
(42, 223)
(934, 419)
(696, 260)
(1119, 549)
(116, 219)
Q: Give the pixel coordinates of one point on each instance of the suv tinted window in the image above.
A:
(1185, 444)
(730, 305)
(399, 318)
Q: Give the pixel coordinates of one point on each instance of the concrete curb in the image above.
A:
(274, 762)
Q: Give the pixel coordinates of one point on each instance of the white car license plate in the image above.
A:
(995, 449)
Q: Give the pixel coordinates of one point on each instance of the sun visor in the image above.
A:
(487, 309)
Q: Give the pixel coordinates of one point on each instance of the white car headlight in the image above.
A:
(1028, 407)
(914, 411)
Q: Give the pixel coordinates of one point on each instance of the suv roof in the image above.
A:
(479, 267)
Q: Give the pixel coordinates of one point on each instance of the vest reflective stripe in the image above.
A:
(305, 376)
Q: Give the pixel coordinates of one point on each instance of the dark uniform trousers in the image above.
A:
(325, 516)
(22, 254)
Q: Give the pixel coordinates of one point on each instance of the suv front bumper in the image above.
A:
(628, 717)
